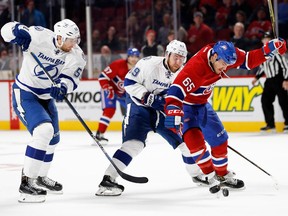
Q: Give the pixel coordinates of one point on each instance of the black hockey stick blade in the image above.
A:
(122, 174)
(125, 176)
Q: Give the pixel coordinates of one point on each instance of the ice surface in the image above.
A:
(170, 191)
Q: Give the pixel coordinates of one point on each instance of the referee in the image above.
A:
(276, 71)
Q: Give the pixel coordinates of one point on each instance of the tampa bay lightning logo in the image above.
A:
(50, 68)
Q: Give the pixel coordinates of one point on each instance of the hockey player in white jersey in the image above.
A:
(33, 96)
(146, 86)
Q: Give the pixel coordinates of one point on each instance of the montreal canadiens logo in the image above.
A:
(51, 69)
(208, 90)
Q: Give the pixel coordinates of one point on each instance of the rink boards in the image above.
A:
(236, 101)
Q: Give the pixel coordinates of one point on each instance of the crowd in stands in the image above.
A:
(148, 24)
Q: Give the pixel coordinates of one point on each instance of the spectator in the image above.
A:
(262, 4)
(258, 27)
(283, 18)
(5, 15)
(238, 38)
(240, 16)
(158, 14)
(6, 65)
(134, 30)
(151, 47)
(32, 16)
(146, 25)
(164, 29)
(239, 5)
(96, 42)
(107, 57)
(199, 34)
(4, 60)
(111, 40)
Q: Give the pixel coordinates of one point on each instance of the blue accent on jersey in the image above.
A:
(69, 78)
(199, 90)
(175, 90)
(204, 117)
(128, 82)
(36, 154)
(38, 91)
(123, 157)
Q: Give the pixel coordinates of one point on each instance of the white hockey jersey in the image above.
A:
(67, 66)
(149, 75)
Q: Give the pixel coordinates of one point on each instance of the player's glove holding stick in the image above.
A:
(173, 120)
(58, 91)
(273, 47)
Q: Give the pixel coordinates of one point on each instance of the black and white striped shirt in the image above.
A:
(272, 67)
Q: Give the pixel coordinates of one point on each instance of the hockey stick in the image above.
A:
(237, 152)
(272, 17)
(122, 174)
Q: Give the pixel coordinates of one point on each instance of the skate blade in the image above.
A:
(54, 192)
(27, 198)
(105, 191)
(271, 131)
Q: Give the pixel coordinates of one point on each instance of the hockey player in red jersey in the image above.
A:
(111, 80)
(187, 101)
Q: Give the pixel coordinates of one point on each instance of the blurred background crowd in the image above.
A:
(148, 25)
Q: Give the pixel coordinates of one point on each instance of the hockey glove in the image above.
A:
(173, 120)
(58, 91)
(22, 36)
(157, 102)
(275, 46)
(109, 90)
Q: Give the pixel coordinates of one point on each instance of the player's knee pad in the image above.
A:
(132, 147)
(109, 112)
(194, 139)
(128, 151)
(42, 134)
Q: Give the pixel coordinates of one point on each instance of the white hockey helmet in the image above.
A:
(67, 29)
(177, 47)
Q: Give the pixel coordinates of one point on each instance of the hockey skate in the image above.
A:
(30, 192)
(50, 185)
(200, 180)
(101, 139)
(109, 187)
(214, 184)
(268, 129)
(230, 182)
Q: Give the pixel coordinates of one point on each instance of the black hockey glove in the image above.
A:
(157, 102)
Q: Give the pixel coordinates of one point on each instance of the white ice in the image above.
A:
(170, 191)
